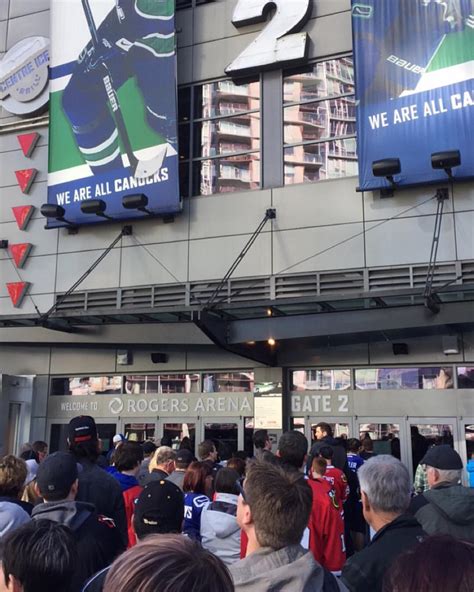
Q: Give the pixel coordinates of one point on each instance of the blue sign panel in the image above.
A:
(414, 63)
(113, 110)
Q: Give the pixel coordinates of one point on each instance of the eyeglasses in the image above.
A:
(240, 489)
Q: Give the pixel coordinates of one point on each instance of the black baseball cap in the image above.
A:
(159, 509)
(148, 447)
(442, 457)
(82, 429)
(184, 457)
(56, 474)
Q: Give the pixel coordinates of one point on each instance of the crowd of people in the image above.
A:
(147, 518)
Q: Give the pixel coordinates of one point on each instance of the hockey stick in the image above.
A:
(141, 168)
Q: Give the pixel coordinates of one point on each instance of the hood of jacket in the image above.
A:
(220, 515)
(454, 502)
(286, 570)
(125, 481)
(11, 517)
(72, 514)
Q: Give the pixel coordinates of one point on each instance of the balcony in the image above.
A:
(233, 129)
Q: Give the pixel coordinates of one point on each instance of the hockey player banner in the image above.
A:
(113, 108)
(414, 64)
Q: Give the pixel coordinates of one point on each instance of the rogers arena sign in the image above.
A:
(24, 76)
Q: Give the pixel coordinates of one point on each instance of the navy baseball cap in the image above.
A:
(442, 457)
(56, 474)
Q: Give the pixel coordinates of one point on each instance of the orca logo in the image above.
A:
(362, 11)
(116, 406)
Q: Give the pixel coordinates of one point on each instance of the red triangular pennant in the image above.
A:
(20, 252)
(25, 178)
(23, 215)
(28, 143)
(17, 291)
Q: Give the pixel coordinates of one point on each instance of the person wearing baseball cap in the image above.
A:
(98, 539)
(183, 459)
(96, 486)
(158, 510)
(447, 507)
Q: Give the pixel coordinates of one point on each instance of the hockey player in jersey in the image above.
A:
(137, 40)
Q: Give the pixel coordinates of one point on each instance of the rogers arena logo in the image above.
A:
(116, 406)
(24, 76)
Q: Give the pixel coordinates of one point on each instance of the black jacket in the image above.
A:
(155, 475)
(98, 540)
(364, 571)
(340, 457)
(99, 488)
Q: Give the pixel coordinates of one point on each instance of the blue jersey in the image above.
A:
(194, 503)
(354, 461)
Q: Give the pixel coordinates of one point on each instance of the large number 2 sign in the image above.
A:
(277, 43)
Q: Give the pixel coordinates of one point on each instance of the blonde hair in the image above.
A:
(13, 473)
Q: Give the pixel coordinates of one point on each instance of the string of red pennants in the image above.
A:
(19, 252)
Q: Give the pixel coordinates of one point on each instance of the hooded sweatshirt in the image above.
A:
(446, 509)
(291, 569)
(98, 539)
(130, 491)
(11, 517)
(220, 532)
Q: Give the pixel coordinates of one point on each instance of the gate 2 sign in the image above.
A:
(24, 76)
(277, 43)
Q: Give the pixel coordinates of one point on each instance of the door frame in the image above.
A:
(159, 429)
(463, 421)
(415, 420)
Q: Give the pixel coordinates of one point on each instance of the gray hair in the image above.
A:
(386, 483)
(162, 455)
(452, 476)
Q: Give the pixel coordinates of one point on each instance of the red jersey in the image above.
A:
(326, 527)
(129, 497)
(338, 481)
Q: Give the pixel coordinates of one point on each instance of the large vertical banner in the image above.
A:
(113, 107)
(414, 64)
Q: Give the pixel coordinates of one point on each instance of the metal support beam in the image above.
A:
(348, 322)
(217, 330)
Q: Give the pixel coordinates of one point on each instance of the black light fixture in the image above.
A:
(3, 244)
(447, 160)
(138, 201)
(95, 206)
(400, 349)
(387, 167)
(56, 212)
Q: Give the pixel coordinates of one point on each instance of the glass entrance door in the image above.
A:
(227, 433)
(57, 431)
(427, 432)
(138, 429)
(467, 446)
(341, 427)
(383, 435)
(176, 432)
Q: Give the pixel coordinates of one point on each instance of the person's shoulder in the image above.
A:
(96, 583)
(416, 503)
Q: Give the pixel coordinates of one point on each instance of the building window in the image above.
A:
(466, 377)
(319, 116)
(219, 137)
(404, 378)
(86, 385)
(228, 382)
(321, 380)
(162, 384)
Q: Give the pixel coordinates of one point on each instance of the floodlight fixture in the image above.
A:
(95, 206)
(137, 201)
(56, 212)
(447, 160)
(387, 167)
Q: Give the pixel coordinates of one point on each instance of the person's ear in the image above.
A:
(74, 488)
(13, 585)
(365, 501)
(246, 516)
(37, 489)
(278, 454)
